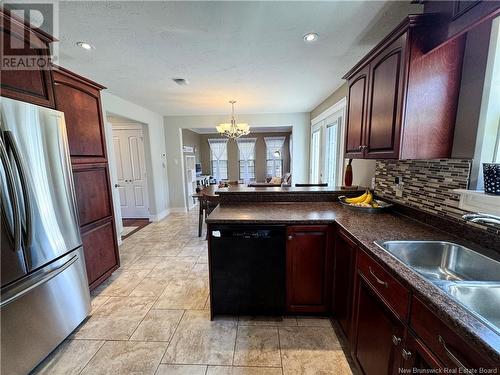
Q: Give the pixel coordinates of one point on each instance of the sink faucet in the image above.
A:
(482, 218)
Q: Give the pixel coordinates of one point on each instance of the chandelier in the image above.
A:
(233, 130)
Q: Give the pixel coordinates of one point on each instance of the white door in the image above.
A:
(315, 175)
(131, 175)
(112, 174)
(332, 155)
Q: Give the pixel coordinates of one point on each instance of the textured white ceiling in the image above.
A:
(252, 52)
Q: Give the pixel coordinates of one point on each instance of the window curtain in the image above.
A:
(246, 147)
(274, 144)
(218, 147)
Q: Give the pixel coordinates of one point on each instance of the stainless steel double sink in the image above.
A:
(467, 276)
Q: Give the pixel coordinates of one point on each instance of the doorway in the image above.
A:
(128, 143)
(326, 158)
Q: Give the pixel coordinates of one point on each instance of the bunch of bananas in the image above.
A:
(365, 200)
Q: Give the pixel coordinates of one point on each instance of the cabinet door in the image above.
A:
(356, 114)
(92, 192)
(81, 105)
(99, 245)
(417, 356)
(383, 125)
(377, 333)
(308, 268)
(345, 255)
(33, 85)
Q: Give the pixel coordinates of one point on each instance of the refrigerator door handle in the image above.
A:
(21, 169)
(42, 279)
(11, 189)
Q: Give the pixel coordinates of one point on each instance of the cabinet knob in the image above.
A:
(396, 340)
(360, 148)
(290, 237)
(406, 354)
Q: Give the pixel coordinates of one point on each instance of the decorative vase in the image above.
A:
(348, 174)
(491, 174)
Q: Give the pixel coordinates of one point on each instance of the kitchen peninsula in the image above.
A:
(330, 265)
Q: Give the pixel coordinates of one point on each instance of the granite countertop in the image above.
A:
(283, 189)
(365, 229)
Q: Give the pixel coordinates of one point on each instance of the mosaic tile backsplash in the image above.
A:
(428, 184)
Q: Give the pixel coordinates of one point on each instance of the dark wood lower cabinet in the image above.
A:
(377, 333)
(308, 268)
(345, 257)
(99, 260)
(392, 330)
(417, 356)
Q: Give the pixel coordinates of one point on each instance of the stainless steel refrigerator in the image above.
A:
(44, 289)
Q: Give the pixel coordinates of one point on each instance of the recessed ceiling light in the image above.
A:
(181, 81)
(85, 45)
(311, 37)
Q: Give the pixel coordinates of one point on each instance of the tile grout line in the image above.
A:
(173, 334)
(279, 346)
(235, 340)
(91, 358)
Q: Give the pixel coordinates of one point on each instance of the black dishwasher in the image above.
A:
(247, 269)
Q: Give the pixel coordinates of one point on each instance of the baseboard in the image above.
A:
(178, 210)
(162, 215)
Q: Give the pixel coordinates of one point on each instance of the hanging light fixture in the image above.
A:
(233, 130)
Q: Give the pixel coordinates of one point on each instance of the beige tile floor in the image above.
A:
(152, 317)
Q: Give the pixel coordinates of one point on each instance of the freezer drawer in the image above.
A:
(40, 311)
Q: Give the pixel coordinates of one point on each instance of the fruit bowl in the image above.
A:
(365, 203)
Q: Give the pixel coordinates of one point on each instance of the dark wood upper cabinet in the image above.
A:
(412, 95)
(356, 113)
(33, 85)
(343, 284)
(308, 268)
(460, 16)
(79, 99)
(385, 88)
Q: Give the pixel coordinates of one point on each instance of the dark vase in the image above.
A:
(348, 174)
(491, 174)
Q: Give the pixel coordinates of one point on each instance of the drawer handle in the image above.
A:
(452, 356)
(406, 354)
(381, 282)
(396, 340)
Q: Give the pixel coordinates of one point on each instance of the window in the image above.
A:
(326, 162)
(246, 148)
(332, 150)
(274, 156)
(218, 158)
(315, 159)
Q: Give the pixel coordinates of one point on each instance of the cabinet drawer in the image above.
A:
(391, 290)
(450, 348)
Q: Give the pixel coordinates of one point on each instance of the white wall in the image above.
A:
(158, 189)
(300, 123)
